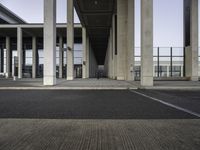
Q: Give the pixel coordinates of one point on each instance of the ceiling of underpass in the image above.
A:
(96, 16)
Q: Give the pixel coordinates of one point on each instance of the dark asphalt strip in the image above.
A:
(167, 104)
(87, 104)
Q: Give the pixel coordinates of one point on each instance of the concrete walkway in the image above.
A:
(64, 84)
(37, 134)
(89, 84)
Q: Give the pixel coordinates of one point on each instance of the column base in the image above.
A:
(194, 78)
(70, 78)
(50, 80)
(146, 81)
(120, 78)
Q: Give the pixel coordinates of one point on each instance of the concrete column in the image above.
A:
(147, 42)
(19, 52)
(1, 58)
(130, 41)
(34, 57)
(121, 39)
(8, 57)
(88, 57)
(110, 55)
(191, 43)
(114, 48)
(70, 39)
(168, 71)
(85, 43)
(49, 42)
(60, 57)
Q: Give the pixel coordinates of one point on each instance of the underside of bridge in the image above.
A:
(96, 17)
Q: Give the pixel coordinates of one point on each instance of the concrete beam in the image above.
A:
(70, 39)
(49, 42)
(147, 42)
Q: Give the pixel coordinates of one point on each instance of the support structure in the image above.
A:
(70, 39)
(114, 46)
(146, 42)
(19, 52)
(191, 39)
(85, 63)
(61, 57)
(34, 57)
(130, 41)
(125, 39)
(8, 57)
(121, 39)
(1, 58)
(49, 42)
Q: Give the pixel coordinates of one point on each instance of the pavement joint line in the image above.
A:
(66, 88)
(167, 104)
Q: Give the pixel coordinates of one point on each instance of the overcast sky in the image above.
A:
(168, 18)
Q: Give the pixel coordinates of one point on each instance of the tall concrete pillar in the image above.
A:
(110, 55)
(114, 47)
(19, 51)
(1, 58)
(121, 39)
(8, 57)
(49, 42)
(85, 54)
(60, 57)
(147, 42)
(191, 39)
(34, 57)
(70, 39)
(130, 40)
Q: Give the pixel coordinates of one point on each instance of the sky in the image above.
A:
(168, 18)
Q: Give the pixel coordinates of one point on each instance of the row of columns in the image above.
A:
(50, 44)
(20, 55)
(122, 62)
(124, 57)
(125, 41)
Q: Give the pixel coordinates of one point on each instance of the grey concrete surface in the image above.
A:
(31, 134)
(27, 83)
(62, 83)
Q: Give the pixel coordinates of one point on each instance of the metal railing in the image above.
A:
(167, 61)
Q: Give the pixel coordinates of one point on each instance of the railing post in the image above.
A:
(171, 64)
(158, 62)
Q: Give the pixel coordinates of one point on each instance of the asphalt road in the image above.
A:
(88, 104)
(98, 120)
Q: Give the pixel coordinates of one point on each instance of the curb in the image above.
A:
(67, 88)
(170, 88)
